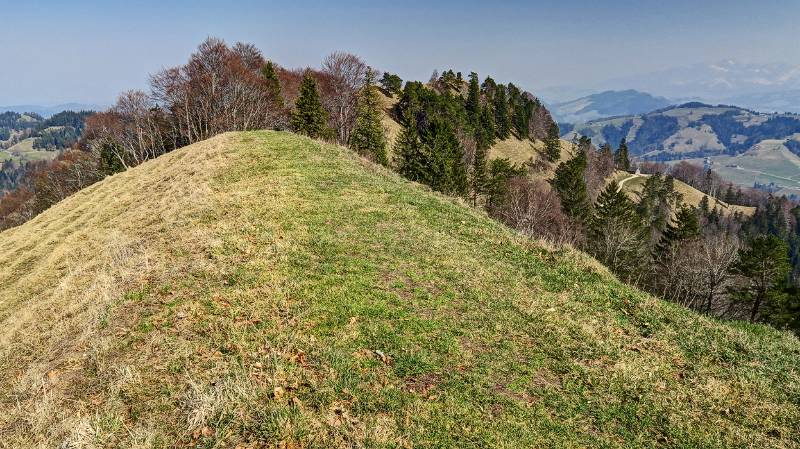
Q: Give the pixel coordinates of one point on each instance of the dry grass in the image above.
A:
(633, 185)
(262, 290)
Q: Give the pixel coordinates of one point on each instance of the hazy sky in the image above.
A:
(88, 51)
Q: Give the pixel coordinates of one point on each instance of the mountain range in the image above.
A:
(771, 87)
(607, 104)
(48, 111)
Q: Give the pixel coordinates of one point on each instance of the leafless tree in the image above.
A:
(696, 273)
(346, 73)
(534, 209)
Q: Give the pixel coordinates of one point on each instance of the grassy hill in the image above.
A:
(632, 184)
(24, 152)
(745, 146)
(769, 162)
(266, 287)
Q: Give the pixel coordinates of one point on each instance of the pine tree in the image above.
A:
(447, 172)
(484, 139)
(392, 84)
(488, 128)
(617, 236)
(273, 83)
(411, 154)
(368, 136)
(764, 266)
(704, 205)
(473, 101)
(501, 117)
(621, 159)
(684, 227)
(309, 117)
(570, 185)
(553, 143)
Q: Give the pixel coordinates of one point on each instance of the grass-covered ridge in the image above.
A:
(266, 287)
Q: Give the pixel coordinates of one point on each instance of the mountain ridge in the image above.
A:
(262, 286)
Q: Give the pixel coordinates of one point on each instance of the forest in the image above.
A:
(725, 265)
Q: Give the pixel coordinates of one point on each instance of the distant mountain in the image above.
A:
(761, 87)
(49, 111)
(607, 104)
(745, 147)
(692, 130)
(780, 101)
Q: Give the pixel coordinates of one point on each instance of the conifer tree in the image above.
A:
(273, 82)
(553, 143)
(501, 116)
(447, 172)
(484, 139)
(570, 185)
(473, 101)
(368, 136)
(704, 205)
(684, 227)
(392, 84)
(617, 236)
(606, 152)
(488, 128)
(621, 159)
(411, 154)
(309, 117)
(764, 267)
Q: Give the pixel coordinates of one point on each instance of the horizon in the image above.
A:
(101, 50)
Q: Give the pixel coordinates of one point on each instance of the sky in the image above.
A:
(88, 51)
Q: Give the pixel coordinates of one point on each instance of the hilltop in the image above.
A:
(262, 286)
(610, 103)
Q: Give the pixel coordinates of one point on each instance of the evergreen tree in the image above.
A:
(448, 173)
(764, 266)
(621, 159)
(488, 128)
(411, 154)
(553, 143)
(368, 136)
(520, 110)
(684, 227)
(606, 152)
(309, 117)
(730, 195)
(501, 118)
(570, 185)
(484, 139)
(704, 206)
(657, 201)
(501, 172)
(392, 84)
(473, 101)
(273, 83)
(617, 236)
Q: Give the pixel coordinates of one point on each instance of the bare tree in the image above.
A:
(346, 73)
(696, 273)
(534, 209)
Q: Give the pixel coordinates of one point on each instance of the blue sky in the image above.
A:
(88, 51)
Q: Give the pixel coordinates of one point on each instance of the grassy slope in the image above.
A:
(633, 185)
(262, 286)
(24, 152)
(768, 162)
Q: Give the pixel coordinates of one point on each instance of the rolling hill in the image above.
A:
(265, 288)
(522, 151)
(741, 144)
(607, 104)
